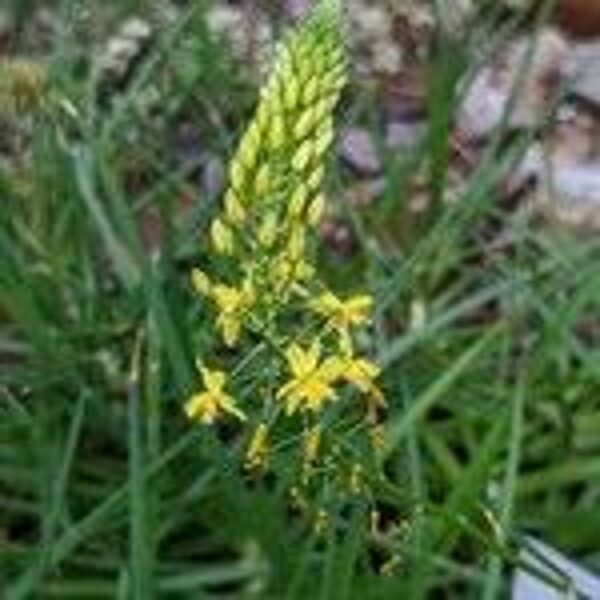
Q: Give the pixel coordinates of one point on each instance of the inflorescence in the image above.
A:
(272, 294)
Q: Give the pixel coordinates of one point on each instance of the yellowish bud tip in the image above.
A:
(267, 233)
(200, 282)
(262, 182)
(303, 156)
(312, 443)
(277, 132)
(222, 237)
(258, 449)
(316, 209)
(234, 210)
(298, 200)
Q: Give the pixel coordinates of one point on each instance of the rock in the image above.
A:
(358, 151)
(575, 137)
(213, 177)
(570, 195)
(364, 193)
(528, 169)
(483, 106)
(124, 48)
(338, 237)
(250, 39)
(118, 56)
(387, 57)
(454, 15)
(585, 64)
(372, 36)
(371, 22)
(402, 135)
(296, 9)
(545, 64)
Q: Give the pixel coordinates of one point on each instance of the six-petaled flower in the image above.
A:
(213, 402)
(341, 315)
(312, 380)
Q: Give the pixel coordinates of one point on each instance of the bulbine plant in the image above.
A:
(288, 369)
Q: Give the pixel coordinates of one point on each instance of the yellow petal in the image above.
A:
(295, 357)
(214, 380)
(358, 308)
(313, 355)
(331, 369)
(228, 405)
(202, 407)
(230, 327)
(228, 299)
(327, 303)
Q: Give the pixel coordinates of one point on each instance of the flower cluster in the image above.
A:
(272, 293)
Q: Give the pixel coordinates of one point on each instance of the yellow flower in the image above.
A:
(287, 271)
(232, 304)
(311, 383)
(341, 315)
(361, 373)
(209, 405)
